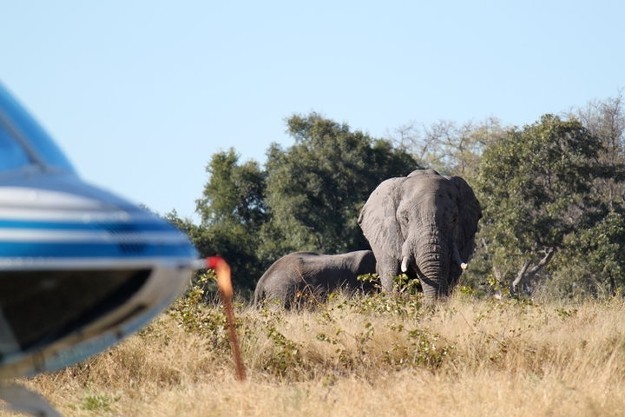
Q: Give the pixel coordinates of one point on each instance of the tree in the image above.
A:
(233, 210)
(535, 187)
(606, 120)
(592, 262)
(448, 147)
(316, 188)
(234, 193)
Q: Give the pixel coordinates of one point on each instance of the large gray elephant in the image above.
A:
(301, 277)
(423, 225)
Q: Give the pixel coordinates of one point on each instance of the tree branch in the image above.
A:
(526, 273)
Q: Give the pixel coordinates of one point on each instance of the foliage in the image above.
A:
(98, 402)
(233, 210)
(316, 188)
(535, 185)
(190, 312)
(234, 194)
(606, 120)
(592, 262)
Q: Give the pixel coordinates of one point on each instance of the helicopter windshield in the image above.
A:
(23, 143)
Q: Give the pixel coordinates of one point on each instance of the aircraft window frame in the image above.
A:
(21, 156)
(39, 150)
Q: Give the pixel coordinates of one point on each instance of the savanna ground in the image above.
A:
(374, 356)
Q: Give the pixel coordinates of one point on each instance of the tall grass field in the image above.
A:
(366, 356)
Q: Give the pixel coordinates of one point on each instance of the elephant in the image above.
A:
(423, 225)
(301, 277)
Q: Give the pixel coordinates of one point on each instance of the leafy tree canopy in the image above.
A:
(234, 194)
(535, 185)
(232, 210)
(316, 187)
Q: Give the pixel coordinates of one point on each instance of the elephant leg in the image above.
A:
(387, 282)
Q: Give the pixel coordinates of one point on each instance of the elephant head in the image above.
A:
(423, 225)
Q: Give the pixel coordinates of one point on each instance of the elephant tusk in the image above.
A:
(404, 264)
(458, 259)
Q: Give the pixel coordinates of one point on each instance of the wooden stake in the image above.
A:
(224, 284)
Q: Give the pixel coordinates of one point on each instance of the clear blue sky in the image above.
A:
(140, 94)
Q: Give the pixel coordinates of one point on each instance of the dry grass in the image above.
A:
(377, 356)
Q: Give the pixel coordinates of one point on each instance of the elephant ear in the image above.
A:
(378, 219)
(469, 213)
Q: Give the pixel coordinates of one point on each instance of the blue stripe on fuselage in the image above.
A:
(31, 250)
(109, 226)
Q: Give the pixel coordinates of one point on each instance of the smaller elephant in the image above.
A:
(303, 277)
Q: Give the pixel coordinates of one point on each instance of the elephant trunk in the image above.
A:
(432, 262)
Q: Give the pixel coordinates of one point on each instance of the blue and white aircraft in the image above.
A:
(80, 268)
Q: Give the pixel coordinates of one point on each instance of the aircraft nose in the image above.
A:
(79, 270)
